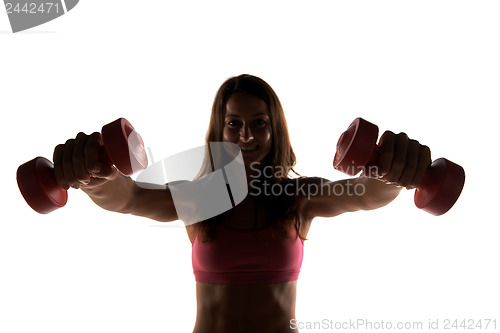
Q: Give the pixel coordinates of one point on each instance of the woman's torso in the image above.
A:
(262, 307)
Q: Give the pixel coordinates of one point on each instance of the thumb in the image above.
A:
(103, 170)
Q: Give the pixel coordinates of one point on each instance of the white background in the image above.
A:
(428, 68)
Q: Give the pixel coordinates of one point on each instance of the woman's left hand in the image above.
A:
(402, 161)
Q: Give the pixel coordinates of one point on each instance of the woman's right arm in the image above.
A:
(77, 165)
(122, 195)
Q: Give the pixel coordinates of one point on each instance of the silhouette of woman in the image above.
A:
(246, 261)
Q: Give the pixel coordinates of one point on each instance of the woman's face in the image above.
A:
(247, 124)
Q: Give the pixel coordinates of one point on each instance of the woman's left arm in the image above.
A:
(402, 163)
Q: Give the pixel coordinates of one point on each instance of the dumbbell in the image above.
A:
(439, 189)
(122, 147)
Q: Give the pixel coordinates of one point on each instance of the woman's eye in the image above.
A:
(260, 122)
(233, 123)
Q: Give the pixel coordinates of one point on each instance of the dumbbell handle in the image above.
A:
(442, 173)
(122, 147)
(436, 193)
(37, 182)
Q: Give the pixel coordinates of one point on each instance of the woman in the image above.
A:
(247, 260)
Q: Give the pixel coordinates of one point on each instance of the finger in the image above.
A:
(79, 169)
(386, 152)
(107, 171)
(91, 151)
(411, 163)
(424, 162)
(98, 167)
(67, 164)
(399, 158)
(58, 169)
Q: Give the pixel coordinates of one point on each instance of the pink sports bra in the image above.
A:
(240, 257)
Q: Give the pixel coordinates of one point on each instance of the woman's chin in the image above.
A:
(253, 162)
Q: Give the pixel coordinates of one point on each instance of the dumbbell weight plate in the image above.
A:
(440, 188)
(38, 186)
(124, 146)
(356, 147)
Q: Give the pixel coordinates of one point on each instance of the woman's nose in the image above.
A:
(246, 134)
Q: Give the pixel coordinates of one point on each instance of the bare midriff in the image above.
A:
(238, 308)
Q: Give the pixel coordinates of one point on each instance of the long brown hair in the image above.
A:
(281, 209)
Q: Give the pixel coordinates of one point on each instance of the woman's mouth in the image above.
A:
(248, 148)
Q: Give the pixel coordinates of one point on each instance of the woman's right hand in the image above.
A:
(77, 162)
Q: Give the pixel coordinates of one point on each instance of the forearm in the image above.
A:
(377, 193)
(123, 195)
(115, 195)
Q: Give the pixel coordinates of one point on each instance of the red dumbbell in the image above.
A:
(122, 146)
(440, 187)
